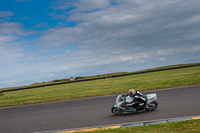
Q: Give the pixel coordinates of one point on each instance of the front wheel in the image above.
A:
(151, 106)
(117, 111)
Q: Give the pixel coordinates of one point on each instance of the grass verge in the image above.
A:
(189, 126)
(146, 81)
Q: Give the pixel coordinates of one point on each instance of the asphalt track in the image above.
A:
(175, 102)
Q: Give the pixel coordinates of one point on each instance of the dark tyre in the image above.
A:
(151, 106)
(117, 111)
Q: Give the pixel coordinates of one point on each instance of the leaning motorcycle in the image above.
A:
(122, 99)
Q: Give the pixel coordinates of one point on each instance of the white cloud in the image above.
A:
(166, 52)
(42, 24)
(162, 59)
(129, 23)
(9, 55)
(7, 38)
(10, 50)
(6, 14)
(87, 5)
(192, 49)
(80, 5)
(13, 28)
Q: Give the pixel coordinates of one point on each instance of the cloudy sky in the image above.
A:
(43, 40)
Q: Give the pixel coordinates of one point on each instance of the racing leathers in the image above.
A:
(138, 99)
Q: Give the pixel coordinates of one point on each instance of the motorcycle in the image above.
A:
(121, 101)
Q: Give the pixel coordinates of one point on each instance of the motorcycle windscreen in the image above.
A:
(120, 98)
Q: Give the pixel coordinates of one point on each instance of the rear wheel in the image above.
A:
(151, 106)
(117, 111)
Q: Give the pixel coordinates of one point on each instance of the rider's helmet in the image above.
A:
(131, 92)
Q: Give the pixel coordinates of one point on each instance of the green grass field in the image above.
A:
(190, 126)
(147, 81)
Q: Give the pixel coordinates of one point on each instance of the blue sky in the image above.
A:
(43, 40)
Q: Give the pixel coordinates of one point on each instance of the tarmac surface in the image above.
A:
(88, 112)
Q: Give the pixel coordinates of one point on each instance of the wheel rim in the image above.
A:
(151, 106)
(117, 111)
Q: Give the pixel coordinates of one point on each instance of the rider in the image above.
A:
(137, 97)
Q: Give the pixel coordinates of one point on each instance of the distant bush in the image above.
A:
(78, 78)
(57, 80)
